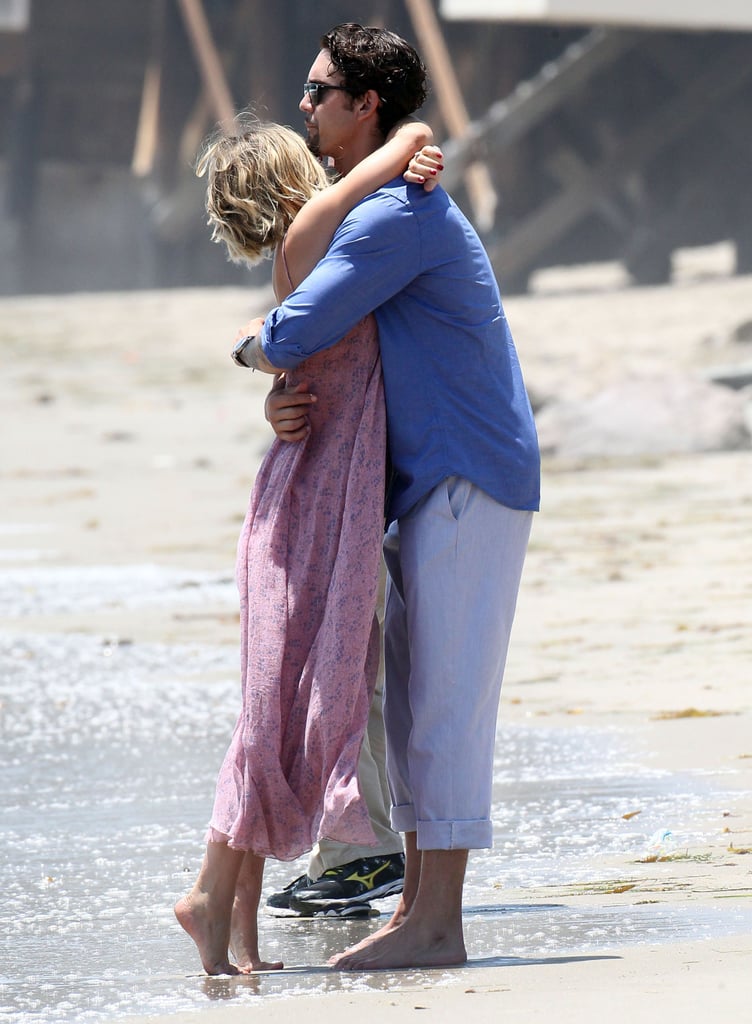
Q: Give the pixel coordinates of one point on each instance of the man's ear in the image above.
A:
(367, 105)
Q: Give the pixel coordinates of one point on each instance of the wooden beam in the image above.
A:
(209, 62)
(147, 132)
(568, 167)
(509, 119)
(194, 130)
(146, 143)
(478, 181)
(525, 241)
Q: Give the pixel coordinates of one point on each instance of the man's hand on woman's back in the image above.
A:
(287, 408)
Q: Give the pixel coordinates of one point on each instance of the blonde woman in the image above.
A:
(308, 554)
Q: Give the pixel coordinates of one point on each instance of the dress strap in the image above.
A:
(284, 264)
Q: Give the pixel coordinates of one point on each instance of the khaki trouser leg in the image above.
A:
(372, 778)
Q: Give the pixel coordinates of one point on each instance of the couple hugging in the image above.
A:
(391, 348)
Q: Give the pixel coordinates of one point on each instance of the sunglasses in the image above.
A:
(315, 91)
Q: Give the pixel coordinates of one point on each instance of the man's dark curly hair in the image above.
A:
(374, 58)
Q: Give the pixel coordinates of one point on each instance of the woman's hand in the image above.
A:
(425, 168)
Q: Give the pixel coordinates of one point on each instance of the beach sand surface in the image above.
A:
(129, 438)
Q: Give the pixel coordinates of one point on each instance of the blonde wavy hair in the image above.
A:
(257, 181)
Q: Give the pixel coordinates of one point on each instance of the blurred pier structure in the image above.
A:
(574, 130)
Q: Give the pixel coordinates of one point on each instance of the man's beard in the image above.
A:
(311, 140)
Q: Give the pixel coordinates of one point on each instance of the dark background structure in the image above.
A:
(564, 144)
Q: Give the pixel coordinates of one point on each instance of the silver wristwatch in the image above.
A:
(240, 347)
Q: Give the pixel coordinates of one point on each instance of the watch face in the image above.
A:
(242, 345)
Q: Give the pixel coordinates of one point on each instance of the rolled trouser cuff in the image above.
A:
(475, 834)
(455, 835)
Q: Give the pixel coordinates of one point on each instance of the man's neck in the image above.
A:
(359, 150)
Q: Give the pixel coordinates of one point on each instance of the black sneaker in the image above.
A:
(279, 902)
(351, 885)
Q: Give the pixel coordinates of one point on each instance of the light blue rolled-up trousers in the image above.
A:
(454, 564)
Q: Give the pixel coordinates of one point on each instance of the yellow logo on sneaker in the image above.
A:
(367, 880)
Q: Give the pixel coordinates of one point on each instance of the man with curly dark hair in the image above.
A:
(367, 63)
(374, 58)
(466, 481)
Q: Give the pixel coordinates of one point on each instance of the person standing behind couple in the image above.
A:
(466, 481)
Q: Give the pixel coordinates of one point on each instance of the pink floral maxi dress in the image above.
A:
(307, 571)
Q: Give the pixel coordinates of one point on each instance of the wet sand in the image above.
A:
(644, 984)
(129, 439)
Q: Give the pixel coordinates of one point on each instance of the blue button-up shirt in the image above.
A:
(455, 398)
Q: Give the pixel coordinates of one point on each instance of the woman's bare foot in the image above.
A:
(210, 935)
(247, 957)
(261, 965)
(244, 922)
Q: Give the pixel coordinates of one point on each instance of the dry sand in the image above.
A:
(128, 437)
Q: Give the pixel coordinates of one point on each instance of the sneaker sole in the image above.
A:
(355, 912)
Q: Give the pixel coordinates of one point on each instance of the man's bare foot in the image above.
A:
(409, 944)
(211, 936)
(394, 921)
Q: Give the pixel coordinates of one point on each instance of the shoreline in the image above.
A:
(130, 440)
